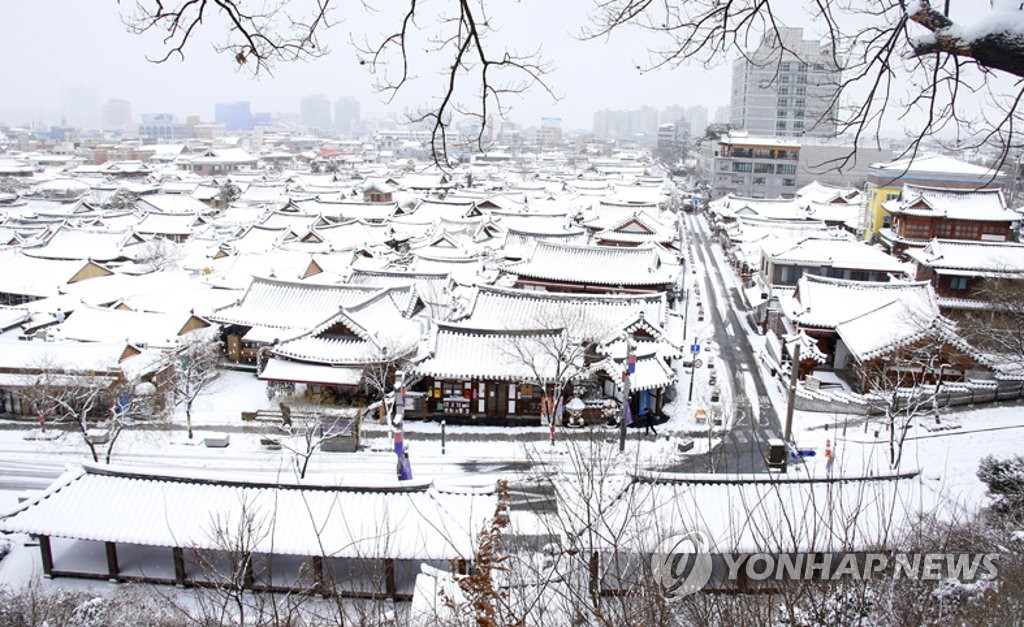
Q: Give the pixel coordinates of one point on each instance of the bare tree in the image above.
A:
(905, 388)
(558, 351)
(884, 49)
(192, 369)
(257, 37)
(99, 408)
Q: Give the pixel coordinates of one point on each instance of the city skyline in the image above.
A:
(113, 62)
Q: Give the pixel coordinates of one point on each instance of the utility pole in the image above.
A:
(628, 370)
(791, 395)
(404, 469)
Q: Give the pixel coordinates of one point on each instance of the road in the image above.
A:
(742, 449)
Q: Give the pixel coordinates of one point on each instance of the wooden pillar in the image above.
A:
(47, 555)
(389, 579)
(179, 566)
(112, 568)
(318, 575)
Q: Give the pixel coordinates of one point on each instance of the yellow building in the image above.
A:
(885, 182)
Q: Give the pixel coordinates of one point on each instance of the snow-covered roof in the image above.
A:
(832, 253)
(294, 305)
(983, 205)
(933, 164)
(593, 265)
(460, 352)
(171, 203)
(503, 308)
(121, 504)
(81, 244)
(103, 324)
(825, 303)
(975, 258)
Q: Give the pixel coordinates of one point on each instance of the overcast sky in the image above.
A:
(51, 44)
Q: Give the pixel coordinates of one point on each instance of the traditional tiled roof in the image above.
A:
(97, 244)
(637, 228)
(832, 253)
(983, 205)
(342, 519)
(458, 352)
(825, 303)
(593, 265)
(360, 334)
(501, 308)
(290, 304)
(972, 258)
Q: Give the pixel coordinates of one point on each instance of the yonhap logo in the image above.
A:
(681, 564)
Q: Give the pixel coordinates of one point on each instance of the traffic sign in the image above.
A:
(694, 348)
(697, 363)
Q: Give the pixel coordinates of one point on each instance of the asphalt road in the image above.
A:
(743, 448)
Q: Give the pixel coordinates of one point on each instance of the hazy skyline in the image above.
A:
(61, 44)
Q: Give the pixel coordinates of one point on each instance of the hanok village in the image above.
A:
(371, 295)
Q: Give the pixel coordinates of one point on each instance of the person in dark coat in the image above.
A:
(648, 417)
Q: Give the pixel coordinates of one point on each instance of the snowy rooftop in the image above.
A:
(119, 504)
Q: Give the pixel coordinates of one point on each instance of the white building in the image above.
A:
(787, 88)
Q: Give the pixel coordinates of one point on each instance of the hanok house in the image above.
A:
(923, 213)
(26, 367)
(863, 329)
(129, 525)
(275, 310)
(24, 279)
(556, 267)
(491, 374)
(972, 280)
(333, 357)
(639, 228)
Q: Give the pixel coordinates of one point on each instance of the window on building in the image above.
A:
(783, 102)
(916, 230)
(802, 67)
(799, 113)
(798, 125)
(801, 91)
(781, 113)
(968, 231)
(944, 230)
(724, 165)
(789, 182)
(760, 180)
(993, 228)
(783, 91)
(785, 168)
(892, 196)
(780, 125)
(784, 79)
(819, 67)
(784, 66)
(800, 103)
(764, 168)
(801, 78)
(741, 166)
(762, 153)
(958, 283)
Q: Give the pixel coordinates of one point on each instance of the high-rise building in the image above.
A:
(80, 107)
(722, 115)
(786, 88)
(117, 115)
(697, 116)
(316, 112)
(346, 115)
(235, 116)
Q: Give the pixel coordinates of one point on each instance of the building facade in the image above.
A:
(754, 167)
(786, 88)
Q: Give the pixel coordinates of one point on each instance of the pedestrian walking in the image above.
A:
(649, 423)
